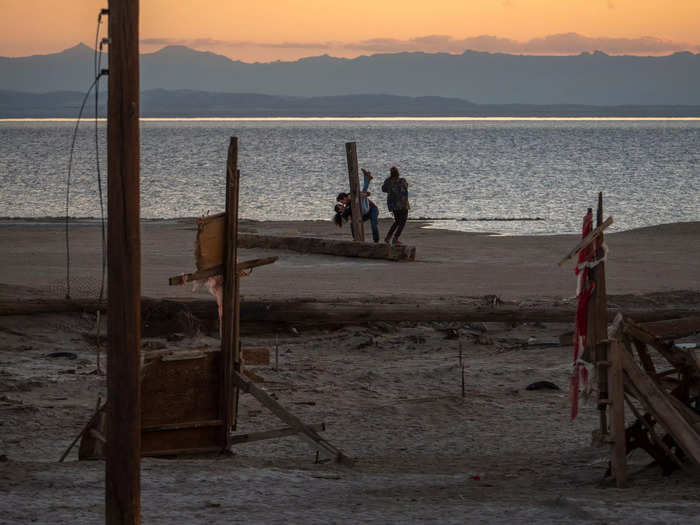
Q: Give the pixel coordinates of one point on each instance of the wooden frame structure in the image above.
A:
(665, 404)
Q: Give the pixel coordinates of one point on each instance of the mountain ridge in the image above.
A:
(484, 78)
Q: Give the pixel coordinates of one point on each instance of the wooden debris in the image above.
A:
(588, 239)
(272, 434)
(304, 431)
(367, 250)
(218, 270)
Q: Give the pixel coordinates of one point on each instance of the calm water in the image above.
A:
(464, 170)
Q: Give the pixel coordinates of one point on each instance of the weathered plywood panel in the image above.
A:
(180, 387)
(209, 250)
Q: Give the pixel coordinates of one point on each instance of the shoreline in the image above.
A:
(449, 264)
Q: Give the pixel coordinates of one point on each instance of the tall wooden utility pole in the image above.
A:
(230, 325)
(358, 229)
(123, 449)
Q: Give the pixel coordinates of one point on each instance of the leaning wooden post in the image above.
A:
(597, 329)
(617, 414)
(354, 176)
(123, 448)
(229, 320)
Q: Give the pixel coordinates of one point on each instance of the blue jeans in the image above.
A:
(373, 218)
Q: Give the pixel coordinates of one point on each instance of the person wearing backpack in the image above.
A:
(396, 189)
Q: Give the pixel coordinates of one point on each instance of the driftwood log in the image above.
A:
(165, 315)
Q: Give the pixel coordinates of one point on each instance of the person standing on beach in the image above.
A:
(396, 189)
(370, 212)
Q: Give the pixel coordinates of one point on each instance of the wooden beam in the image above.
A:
(617, 416)
(185, 278)
(597, 330)
(304, 431)
(304, 312)
(272, 434)
(366, 250)
(123, 450)
(229, 342)
(674, 328)
(588, 239)
(657, 402)
(358, 227)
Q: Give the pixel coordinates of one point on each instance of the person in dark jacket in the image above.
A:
(396, 189)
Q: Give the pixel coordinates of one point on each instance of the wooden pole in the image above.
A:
(354, 176)
(597, 329)
(617, 419)
(123, 450)
(229, 321)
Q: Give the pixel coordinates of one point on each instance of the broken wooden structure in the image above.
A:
(639, 366)
(189, 398)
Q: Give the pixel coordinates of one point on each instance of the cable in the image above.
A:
(70, 166)
(97, 74)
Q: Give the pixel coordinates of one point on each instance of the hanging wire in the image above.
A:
(97, 74)
(98, 65)
(70, 167)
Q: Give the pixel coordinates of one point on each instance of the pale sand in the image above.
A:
(389, 393)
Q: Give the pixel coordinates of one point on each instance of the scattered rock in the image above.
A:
(69, 371)
(67, 355)
(542, 385)
(452, 334)
(368, 342)
(418, 339)
(479, 327)
(485, 339)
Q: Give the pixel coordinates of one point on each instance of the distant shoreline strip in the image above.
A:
(368, 119)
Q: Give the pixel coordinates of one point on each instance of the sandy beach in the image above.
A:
(389, 393)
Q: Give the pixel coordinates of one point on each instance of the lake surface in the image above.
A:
(466, 171)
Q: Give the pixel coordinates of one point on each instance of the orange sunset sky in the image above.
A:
(266, 30)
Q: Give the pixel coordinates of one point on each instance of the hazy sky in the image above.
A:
(266, 30)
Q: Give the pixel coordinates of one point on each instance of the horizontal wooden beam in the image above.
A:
(318, 313)
(367, 250)
(218, 270)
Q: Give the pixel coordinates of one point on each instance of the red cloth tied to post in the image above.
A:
(584, 290)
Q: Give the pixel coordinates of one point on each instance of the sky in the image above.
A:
(268, 30)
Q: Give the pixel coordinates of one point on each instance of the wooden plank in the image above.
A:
(271, 434)
(219, 270)
(185, 424)
(123, 451)
(185, 439)
(367, 250)
(256, 355)
(229, 341)
(304, 432)
(185, 390)
(685, 361)
(643, 353)
(358, 227)
(588, 239)
(674, 328)
(617, 416)
(659, 405)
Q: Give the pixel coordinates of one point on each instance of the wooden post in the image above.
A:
(354, 176)
(230, 351)
(617, 418)
(123, 449)
(597, 330)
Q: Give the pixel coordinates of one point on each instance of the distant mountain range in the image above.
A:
(187, 103)
(180, 81)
